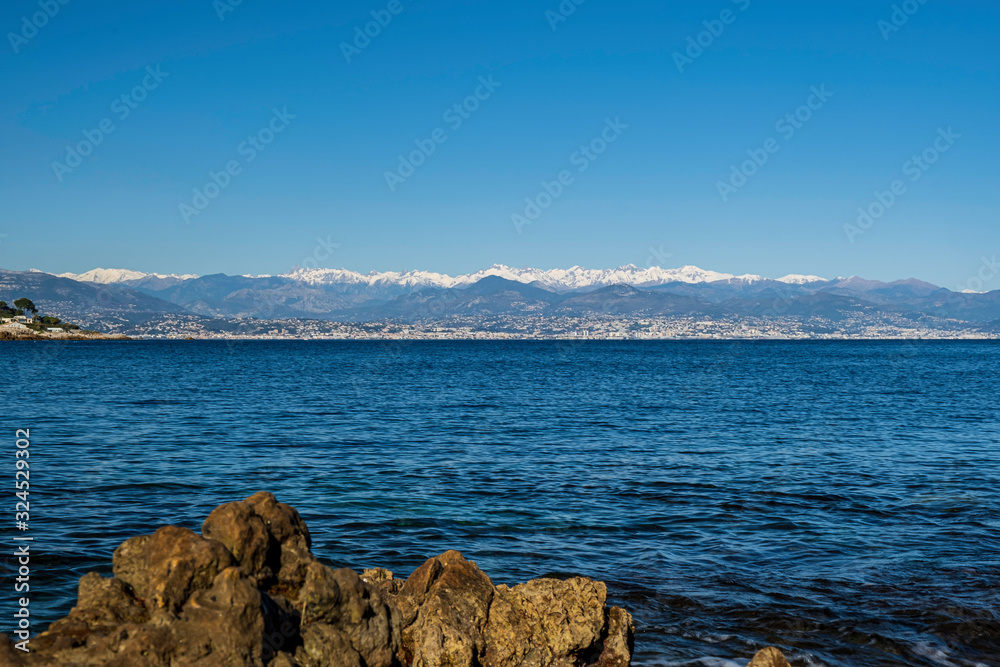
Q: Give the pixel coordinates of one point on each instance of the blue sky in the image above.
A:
(890, 90)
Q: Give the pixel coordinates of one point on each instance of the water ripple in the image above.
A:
(836, 499)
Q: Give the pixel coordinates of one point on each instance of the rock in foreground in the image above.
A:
(248, 591)
(769, 657)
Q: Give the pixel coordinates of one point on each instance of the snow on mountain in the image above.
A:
(373, 279)
(108, 276)
(558, 280)
(795, 279)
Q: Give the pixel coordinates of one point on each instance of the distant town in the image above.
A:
(496, 304)
(543, 328)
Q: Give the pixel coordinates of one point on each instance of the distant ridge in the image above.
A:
(337, 295)
(93, 305)
(110, 276)
(559, 280)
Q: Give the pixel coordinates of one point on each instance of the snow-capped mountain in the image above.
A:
(559, 280)
(342, 295)
(110, 276)
(795, 279)
(409, 279)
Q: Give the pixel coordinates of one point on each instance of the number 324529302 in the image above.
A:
(22, 475)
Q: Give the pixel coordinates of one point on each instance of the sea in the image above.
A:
(839, 500)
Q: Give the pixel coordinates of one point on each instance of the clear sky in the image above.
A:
(675, 116)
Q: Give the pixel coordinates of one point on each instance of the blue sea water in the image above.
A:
(837, 499)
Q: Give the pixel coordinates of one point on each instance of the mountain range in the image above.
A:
(556, 280)
(98, 296)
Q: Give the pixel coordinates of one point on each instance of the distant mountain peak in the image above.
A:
(109, 276)
(559, 280)
(796, 279)
(502, 291)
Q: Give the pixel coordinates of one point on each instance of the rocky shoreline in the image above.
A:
(248, 591)
(9, 332)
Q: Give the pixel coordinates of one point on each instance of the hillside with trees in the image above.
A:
(22, 321)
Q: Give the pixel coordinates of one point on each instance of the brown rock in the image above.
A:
(445, 604)
(544, 622)
(383, 580)
(249, 593)
(769, 657)
(285, 660)
(325, 646)
(283, 521)
(221, 625)
(226, 619)
(105, 603)
(103, 607)
(290, 532)
(147, 645)
(415, 590)
(619, 640)
(9, 655)
(166, 567)
(357, 610)
(240, 530)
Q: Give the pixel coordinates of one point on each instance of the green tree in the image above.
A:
(25, 305)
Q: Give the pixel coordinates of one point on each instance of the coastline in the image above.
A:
(20, 333)
(562, 339)
(535, 328)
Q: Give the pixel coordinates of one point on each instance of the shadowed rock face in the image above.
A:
(248, 591)
(165, 568)
(445, 604)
